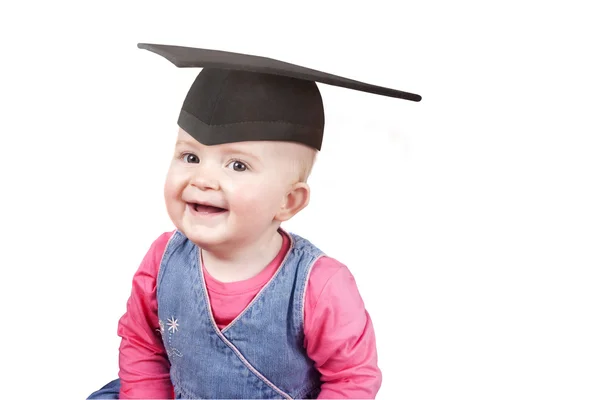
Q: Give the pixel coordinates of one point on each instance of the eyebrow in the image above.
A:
(230, 148)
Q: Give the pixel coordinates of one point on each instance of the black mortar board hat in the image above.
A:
(239, 97)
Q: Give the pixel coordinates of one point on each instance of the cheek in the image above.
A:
(174, 184)
(255, 200)
(169, 190)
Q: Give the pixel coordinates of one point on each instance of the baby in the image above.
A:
(229, 304)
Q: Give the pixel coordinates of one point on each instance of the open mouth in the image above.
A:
(206, 209)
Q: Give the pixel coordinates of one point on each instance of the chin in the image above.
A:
(204, 237)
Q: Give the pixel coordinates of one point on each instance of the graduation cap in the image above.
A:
(239, 97)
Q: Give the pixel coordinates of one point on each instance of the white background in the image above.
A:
(470, 220)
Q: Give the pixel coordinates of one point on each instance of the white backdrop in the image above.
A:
(470, 220)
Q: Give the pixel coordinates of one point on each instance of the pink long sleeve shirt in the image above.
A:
(339, 335)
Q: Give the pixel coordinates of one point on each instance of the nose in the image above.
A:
(205, 178)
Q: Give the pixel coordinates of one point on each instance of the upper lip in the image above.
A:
(205, 203)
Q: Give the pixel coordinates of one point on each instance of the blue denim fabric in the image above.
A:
(260, 355)
(108, 391)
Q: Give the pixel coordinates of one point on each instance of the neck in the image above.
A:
(245, 261)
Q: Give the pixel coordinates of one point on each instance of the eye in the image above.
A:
(190, 158)
(238, 166)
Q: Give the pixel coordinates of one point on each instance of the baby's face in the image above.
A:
(229, 193)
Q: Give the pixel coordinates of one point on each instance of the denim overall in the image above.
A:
(259, 355)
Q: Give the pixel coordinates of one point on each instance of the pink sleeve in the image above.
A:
(143, 362)
(339, 335)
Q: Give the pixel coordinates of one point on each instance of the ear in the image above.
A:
(294, 201)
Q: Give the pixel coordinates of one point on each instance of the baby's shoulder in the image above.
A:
(160, 243)
(326, 269)
(159, 246)
(324, 265)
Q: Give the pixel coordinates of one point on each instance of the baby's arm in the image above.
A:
(143, 362)
(339, 333)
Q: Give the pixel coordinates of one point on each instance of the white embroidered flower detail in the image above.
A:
(161, 325)
(173, 325)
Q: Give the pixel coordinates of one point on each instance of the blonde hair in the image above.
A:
(296, 159)
(303, 162)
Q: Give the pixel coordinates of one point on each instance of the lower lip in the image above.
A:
(204, 214)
